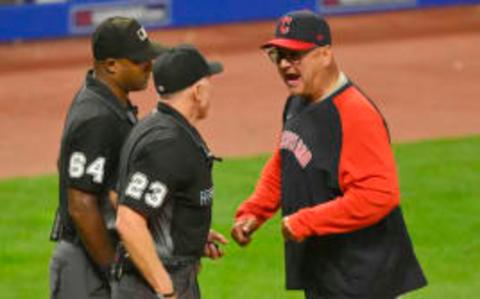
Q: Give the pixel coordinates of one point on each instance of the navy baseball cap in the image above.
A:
(121, 37)
(180, 67)
(299, 31)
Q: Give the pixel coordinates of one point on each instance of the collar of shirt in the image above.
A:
(341, 82)
(191, 130)
(167, 109)
(129, 112)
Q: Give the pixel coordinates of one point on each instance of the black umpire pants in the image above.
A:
(133, 286)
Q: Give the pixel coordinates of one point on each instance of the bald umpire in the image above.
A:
(165, 185)
(100, 117)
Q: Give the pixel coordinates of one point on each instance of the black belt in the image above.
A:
(170, 263)
(178, 261)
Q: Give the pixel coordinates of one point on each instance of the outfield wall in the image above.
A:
(38, 21)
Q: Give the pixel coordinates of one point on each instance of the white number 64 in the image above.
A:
(78, 161)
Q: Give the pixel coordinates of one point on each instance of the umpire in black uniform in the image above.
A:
(165, 185)
(96, 126)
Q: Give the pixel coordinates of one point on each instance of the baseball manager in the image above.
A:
(334, 177)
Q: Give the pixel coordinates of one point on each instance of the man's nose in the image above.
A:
(284, 63)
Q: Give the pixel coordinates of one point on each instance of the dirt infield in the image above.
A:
(419, 66)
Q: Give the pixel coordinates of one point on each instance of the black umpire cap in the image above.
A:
(180, 67)
(121, 37)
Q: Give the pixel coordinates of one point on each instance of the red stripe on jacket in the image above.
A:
(265, 200)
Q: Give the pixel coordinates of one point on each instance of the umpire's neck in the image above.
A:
(191, 102)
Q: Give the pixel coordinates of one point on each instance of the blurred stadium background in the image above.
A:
(418, 59)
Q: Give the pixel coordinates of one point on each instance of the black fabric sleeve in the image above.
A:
(155, 172)
(92, 154)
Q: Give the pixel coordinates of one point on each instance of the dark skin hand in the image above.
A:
(84, 210)
(212, 250)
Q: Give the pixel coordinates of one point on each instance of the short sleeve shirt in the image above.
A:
(165, 175)
(95, 129)
(160, 165)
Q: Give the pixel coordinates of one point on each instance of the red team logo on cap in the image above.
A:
(285, 24)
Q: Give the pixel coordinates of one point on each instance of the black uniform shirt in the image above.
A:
(165, 174)
(95, 129)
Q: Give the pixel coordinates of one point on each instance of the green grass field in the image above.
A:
(440, 198)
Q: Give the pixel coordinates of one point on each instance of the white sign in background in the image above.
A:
(345, 6)
(85, 18)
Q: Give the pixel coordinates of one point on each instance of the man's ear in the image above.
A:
(198, 90)
(327, 55)
(110, 66)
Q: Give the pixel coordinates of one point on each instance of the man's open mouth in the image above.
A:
(292, 79)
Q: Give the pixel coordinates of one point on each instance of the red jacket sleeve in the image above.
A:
(367, 174)
(265, 200)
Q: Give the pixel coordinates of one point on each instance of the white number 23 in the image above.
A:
(155, 195)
